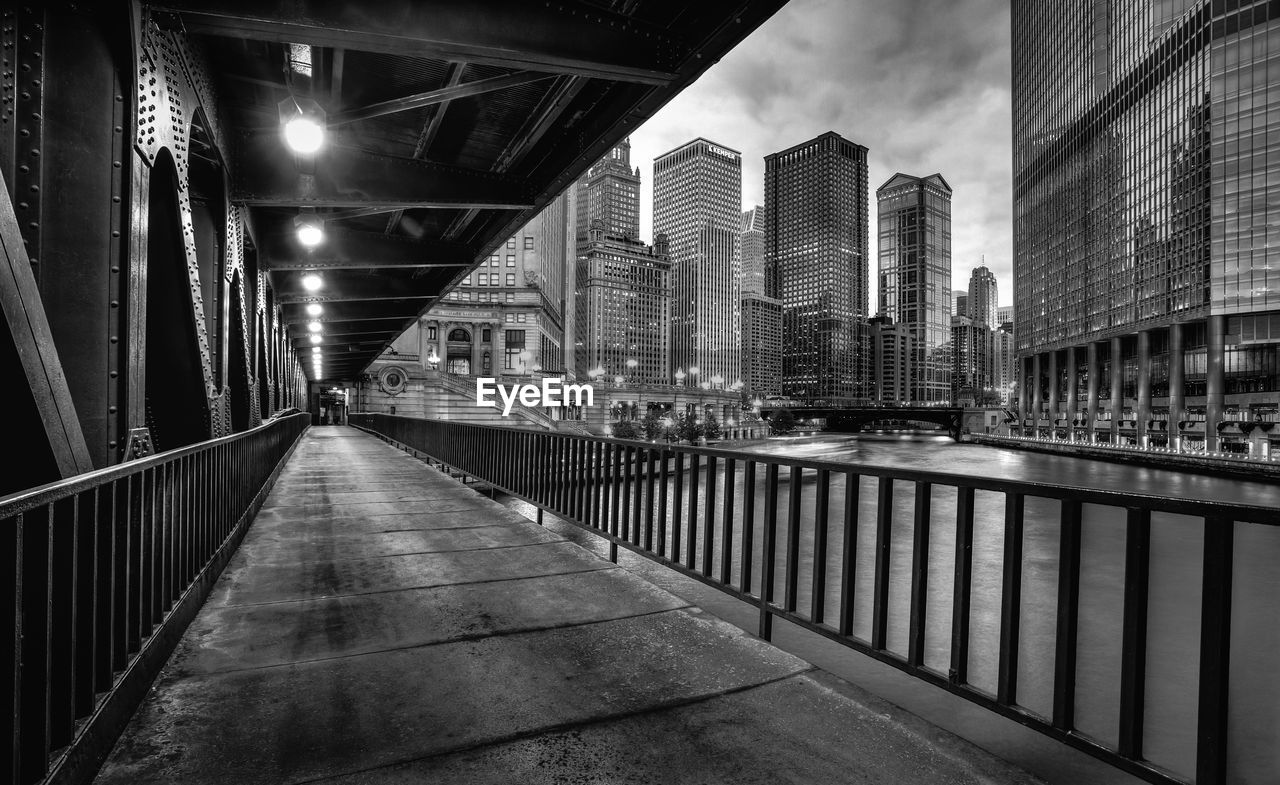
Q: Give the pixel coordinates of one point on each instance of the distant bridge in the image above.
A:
(852, 419)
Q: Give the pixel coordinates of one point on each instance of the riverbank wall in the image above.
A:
(1243, 468)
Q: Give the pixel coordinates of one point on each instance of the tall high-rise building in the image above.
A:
(971, 382)
(1143, 181)
(610, 193)
(817, 263)
(761, 314)
(697, 203)
(622, 305)
(983, 296)
(890, 359)
(915, 275)
(1004, 314)
(960, 304)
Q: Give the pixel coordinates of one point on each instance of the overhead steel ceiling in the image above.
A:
(451, 123)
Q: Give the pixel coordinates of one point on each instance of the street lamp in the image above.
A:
(680, 374)
(433, 359)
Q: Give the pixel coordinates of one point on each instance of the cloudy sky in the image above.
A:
(924, 84)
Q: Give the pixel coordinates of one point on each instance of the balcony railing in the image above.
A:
(100, 574)
(665, 503)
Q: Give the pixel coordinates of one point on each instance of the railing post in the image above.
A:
(769, 555)
(1133, 657)
(962, 587)
(1011, 600)
(792, 586)
(709, 518)
(726, 523)
(849, 551)
(1215, 651)
(695, 477)
(1064, 677)
(919, 575)
(884, 531)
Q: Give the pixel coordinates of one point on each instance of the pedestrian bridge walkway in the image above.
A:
(384, 623)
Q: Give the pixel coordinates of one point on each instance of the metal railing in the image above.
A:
(654, 500)
(100, 574)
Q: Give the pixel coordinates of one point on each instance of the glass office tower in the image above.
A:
(1147, 221)
(915, 276)
(816, 264)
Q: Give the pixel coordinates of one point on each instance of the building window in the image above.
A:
(511, 279)
(495, 260)
(459, 335)
(528, 243)
(511, 260)
(431, 332)
(511, 297)
(514, 346)
(482, 279)
(511, 243)
(466, 281)
(487, 335)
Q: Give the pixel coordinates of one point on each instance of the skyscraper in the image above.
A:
(915, 275)
(982, 298)
(1146, 282)
(761, 313)
(610, 193)
(622, 307)
(697, 203)
(816, 260)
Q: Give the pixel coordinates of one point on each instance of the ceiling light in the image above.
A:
(310, 228)
(315, 327)
(312, 282)
(316, 339)
(314, 309)
(303, 124)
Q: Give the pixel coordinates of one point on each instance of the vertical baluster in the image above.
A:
(919, 575)
(11, 558)
(104, 581)
(34, 543)
(1133, 658)
(86, 601)
(695, 476)
(748, 523)
(652, 454)
(726, 522)
(664, 480)
(849, 551)
(676, 507)
(615, 497)
(769, 555)
(637, 491)
(62, 619)
(624, 480)
(709, 518)
(600, 515)
(884, 530)
(1215, 651)
(795, 488)
(962, 587)
(821, 501)
(121, 570)
(1011, 600)
(1064, 667)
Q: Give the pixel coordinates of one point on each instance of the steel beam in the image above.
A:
(439, 96)
(565, 37)
(348, 177)
(356, 311)
(361, 250)
(355, 286)
(33, 341)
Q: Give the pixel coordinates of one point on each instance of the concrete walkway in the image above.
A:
(382, 623)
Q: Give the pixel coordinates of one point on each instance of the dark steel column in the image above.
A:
(1117, 389)
(1177, 384)
(1037, 393)
(1094, 371)
(1144, 384)
(1072, 381)
(1215, 378)
(73, 188)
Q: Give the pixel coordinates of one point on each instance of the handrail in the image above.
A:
(660, 501)
(100, 574)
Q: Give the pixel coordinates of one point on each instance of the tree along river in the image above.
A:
(1175, 582)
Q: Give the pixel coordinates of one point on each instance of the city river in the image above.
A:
(1173, 626)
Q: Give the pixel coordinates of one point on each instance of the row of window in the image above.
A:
(488, 279)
